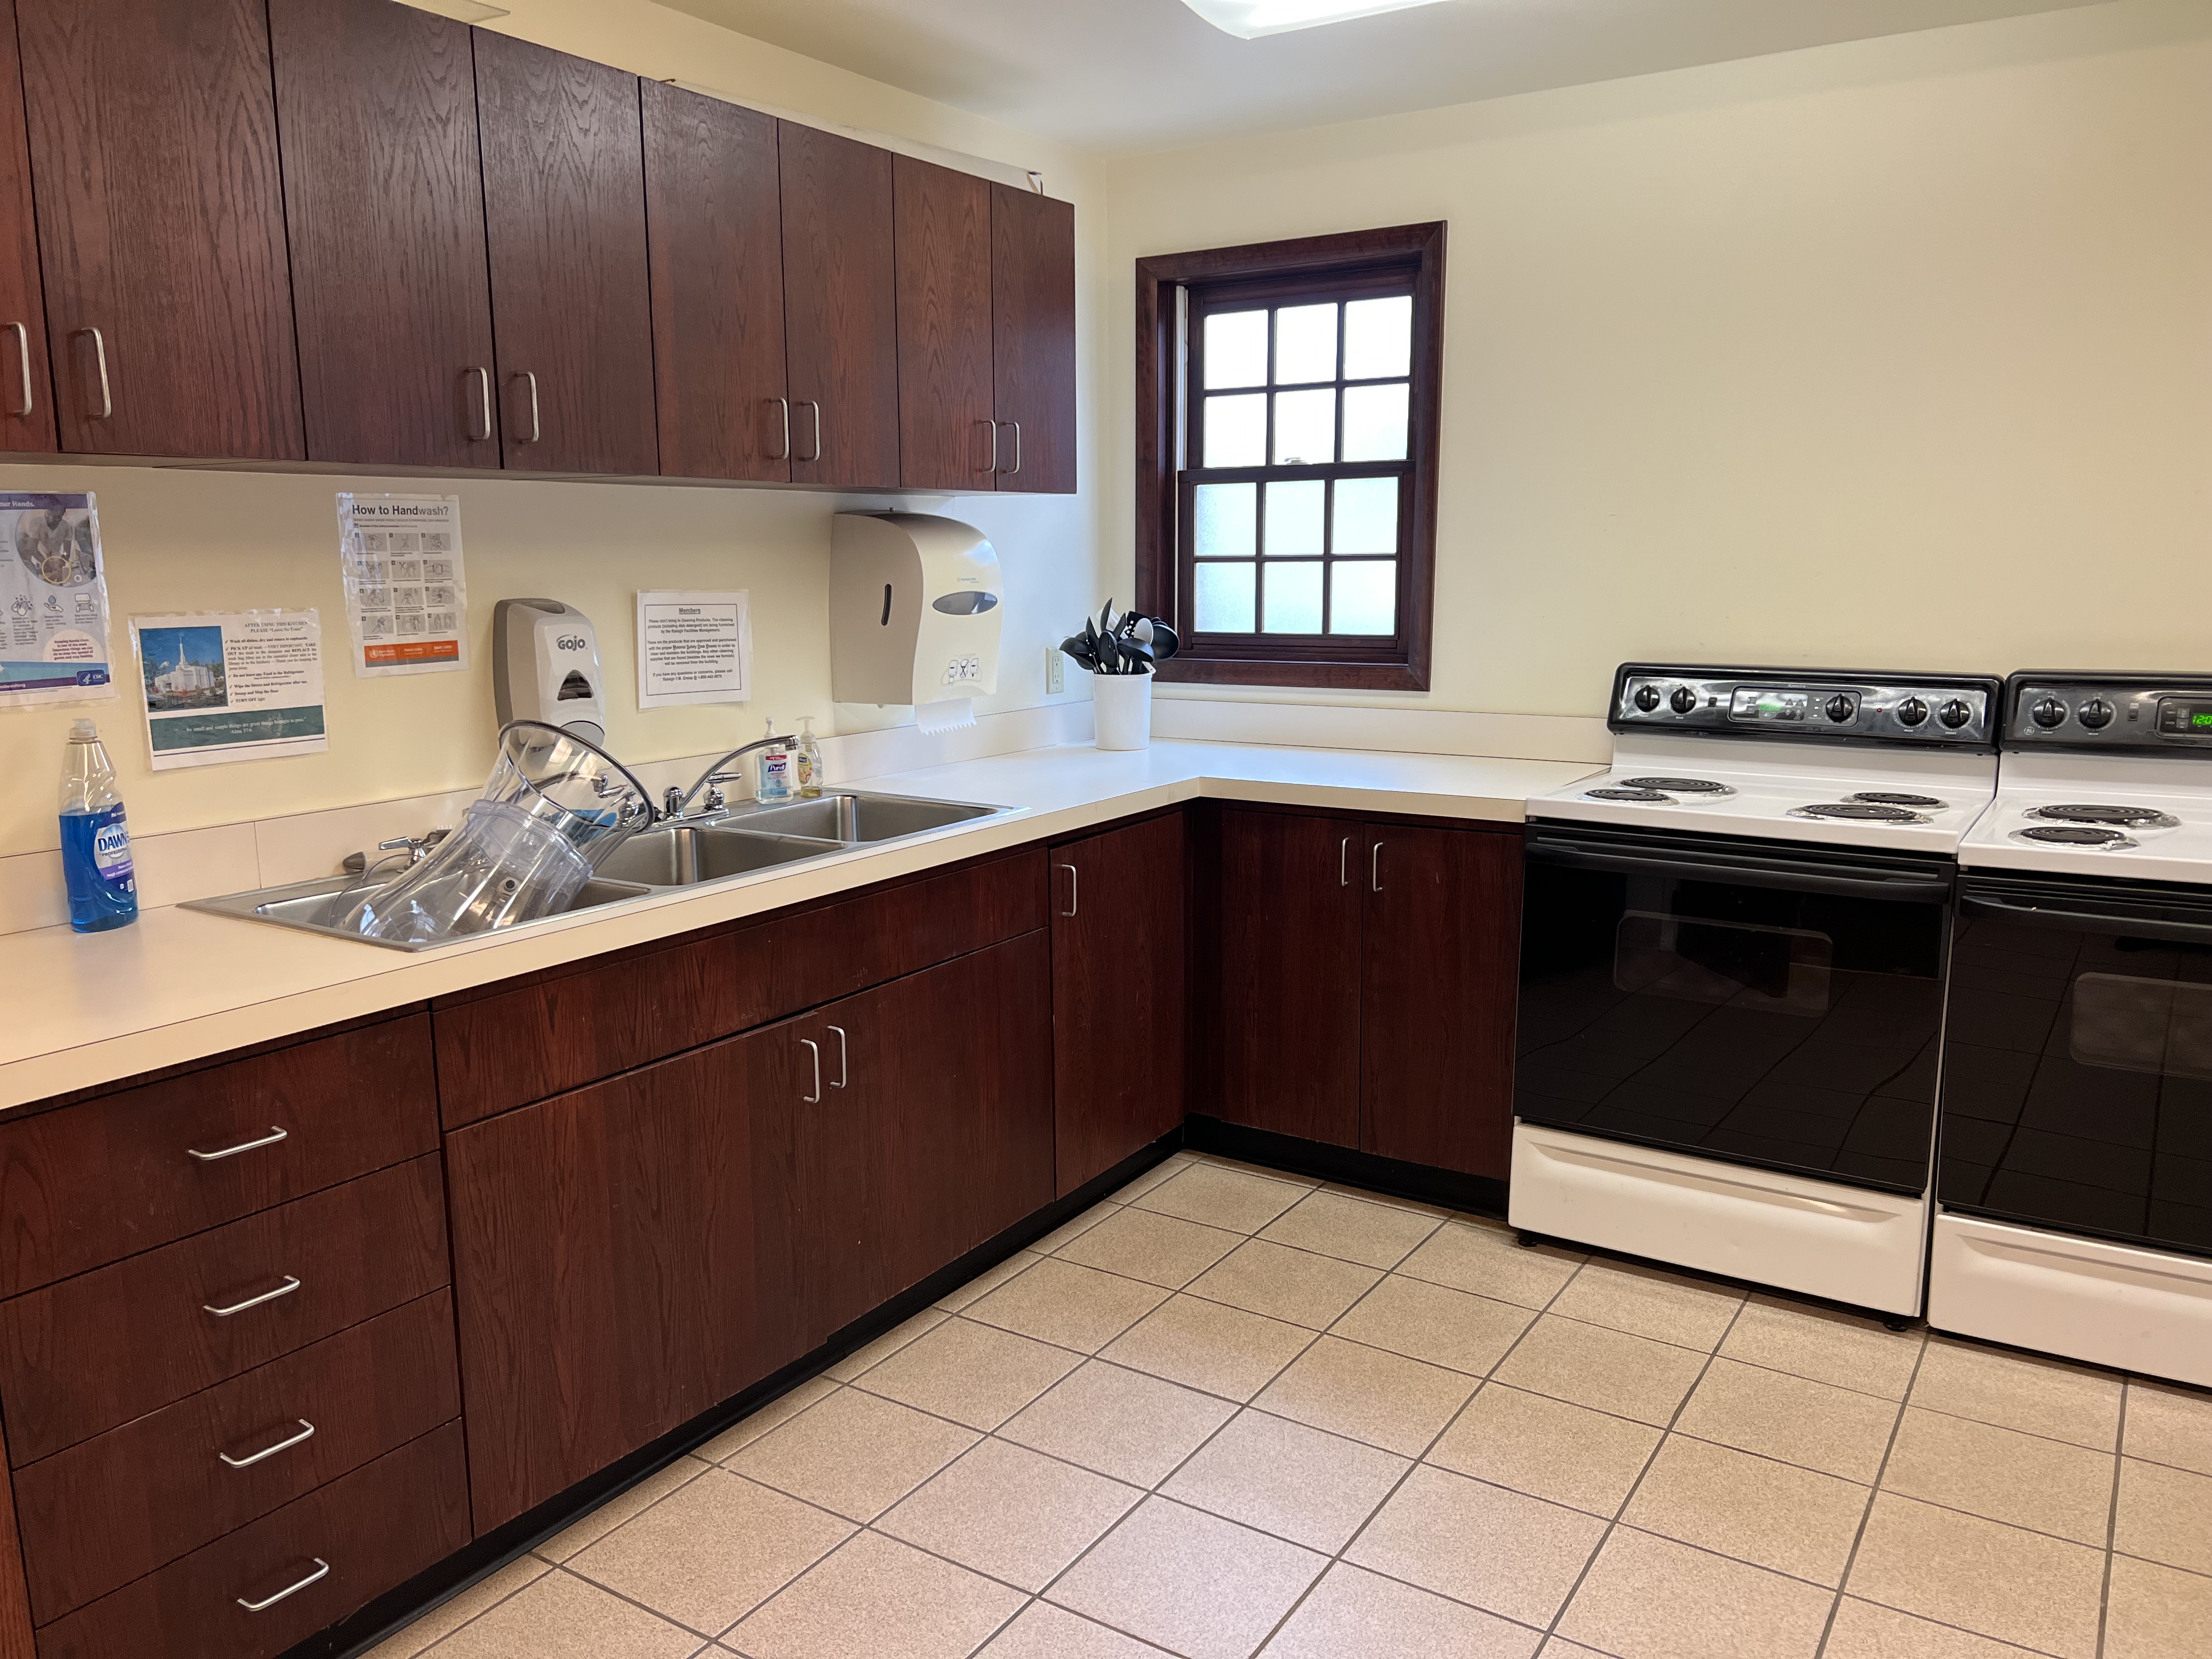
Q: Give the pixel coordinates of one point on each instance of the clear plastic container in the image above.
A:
(103, 889)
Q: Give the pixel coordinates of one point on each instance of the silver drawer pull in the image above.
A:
(815, 1049)
(322, 1571)
(290, 1285)
(23, 367)
(306, 1432)
(274, 1135)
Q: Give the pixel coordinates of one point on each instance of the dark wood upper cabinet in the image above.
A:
(160, 214)
(1439, 970)
(564, 207)
(713, 205)
(384, 199)
(948, 437)
(840, 309)
(27, 391)
(1033, 339)
(1285, 1052)
(1121, 979)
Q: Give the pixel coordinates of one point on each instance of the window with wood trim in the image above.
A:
(1286, 454)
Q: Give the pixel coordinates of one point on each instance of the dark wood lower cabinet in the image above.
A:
(1121, 985)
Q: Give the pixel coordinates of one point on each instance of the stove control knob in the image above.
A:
(1912, 712)
(1684, 699)
(2048, 713)
(1840, 708)
(2096, 713)
(1647, 697)
(1954, 713)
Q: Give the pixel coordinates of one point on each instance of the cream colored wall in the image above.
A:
(1892, 354)
(179, 539)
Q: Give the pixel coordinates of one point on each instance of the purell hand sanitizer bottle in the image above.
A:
(95, 842)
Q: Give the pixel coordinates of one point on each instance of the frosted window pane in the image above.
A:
(1378, 339)
(1374, 423)
(1224, 598)
(1236, 349)
(1293, 599)
(1305, 344)
(1236, 430)
(1366, 515)
(1365, 600)
(1226, 520)
(1305, 429)
(1294, 513)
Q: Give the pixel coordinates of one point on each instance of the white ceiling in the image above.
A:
(1142, 75)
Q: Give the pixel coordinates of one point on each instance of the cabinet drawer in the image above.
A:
(92, 1183)
(374, 1530)
(136, 1498)
(108, 1346)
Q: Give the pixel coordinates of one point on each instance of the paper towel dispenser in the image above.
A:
(545, 666)
(914, 609)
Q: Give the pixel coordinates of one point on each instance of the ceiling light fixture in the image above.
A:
(1250, 19)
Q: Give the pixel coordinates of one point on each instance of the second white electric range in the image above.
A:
(1734, 950)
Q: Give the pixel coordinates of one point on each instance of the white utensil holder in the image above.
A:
(1122, 706)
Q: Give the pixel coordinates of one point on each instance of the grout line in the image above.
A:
(1850, 1560)
(2113, 1524)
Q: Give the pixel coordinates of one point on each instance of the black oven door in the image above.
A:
(1762, 1003)
(2078, 1088)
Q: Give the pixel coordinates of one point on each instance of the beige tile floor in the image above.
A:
(1230, 1413)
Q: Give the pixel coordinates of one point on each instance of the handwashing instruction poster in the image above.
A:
(53, 601)
(407, 604)
(247, 685)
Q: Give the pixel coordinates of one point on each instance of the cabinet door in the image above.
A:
(27, 391)
(712, 206)
(1440, 969)
(161, 227)
(840, 309)
(605, 1245)
(825, 1137)
(947, 437)
(1120, 984)
(1286, 1051)
(383, 200)
(564, 209)
(1033, 339)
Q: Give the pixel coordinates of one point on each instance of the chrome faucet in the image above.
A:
(677, 802)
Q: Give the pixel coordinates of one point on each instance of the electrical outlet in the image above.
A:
(1055, 669)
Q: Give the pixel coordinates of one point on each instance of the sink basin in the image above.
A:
(853, 817)
(683, 854)
(306, 905)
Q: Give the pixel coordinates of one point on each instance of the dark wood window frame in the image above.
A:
(1323, 266)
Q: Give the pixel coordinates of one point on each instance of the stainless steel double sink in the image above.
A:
(685, 852)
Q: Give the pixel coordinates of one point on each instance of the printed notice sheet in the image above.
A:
(53, 601)
(693, 647)
(244, 686)
(407, 608)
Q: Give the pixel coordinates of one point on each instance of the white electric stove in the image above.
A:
(2075, 1170)
(1734, 960)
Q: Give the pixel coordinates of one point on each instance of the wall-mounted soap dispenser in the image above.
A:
(914, 609)
(545, 666)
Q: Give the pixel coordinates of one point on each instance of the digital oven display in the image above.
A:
(1792, 707)
(2184, 718)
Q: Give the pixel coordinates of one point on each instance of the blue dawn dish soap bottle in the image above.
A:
(95, 841)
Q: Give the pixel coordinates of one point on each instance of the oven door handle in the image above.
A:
(2088, 921)
(1797, 878)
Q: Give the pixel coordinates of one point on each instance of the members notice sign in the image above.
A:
(693, 647)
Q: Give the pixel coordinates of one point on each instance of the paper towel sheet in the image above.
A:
(931, 718)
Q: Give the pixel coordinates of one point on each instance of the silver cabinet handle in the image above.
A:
(322, 1571)
(99, 355)
(1344, 862)
(1074, 890)
(815, 1049)
(844, 1059)
(23, 368)
(784, 403)
(484, 404)
(306, 1432)
(817, 455)
(1016, 466)
(536, 430)
(993, 465)
(274, 1135)
(290, 1285)
(1374, 870)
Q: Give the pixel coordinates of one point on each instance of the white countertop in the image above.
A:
(181, 985)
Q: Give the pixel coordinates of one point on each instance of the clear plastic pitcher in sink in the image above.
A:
(555, 806)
